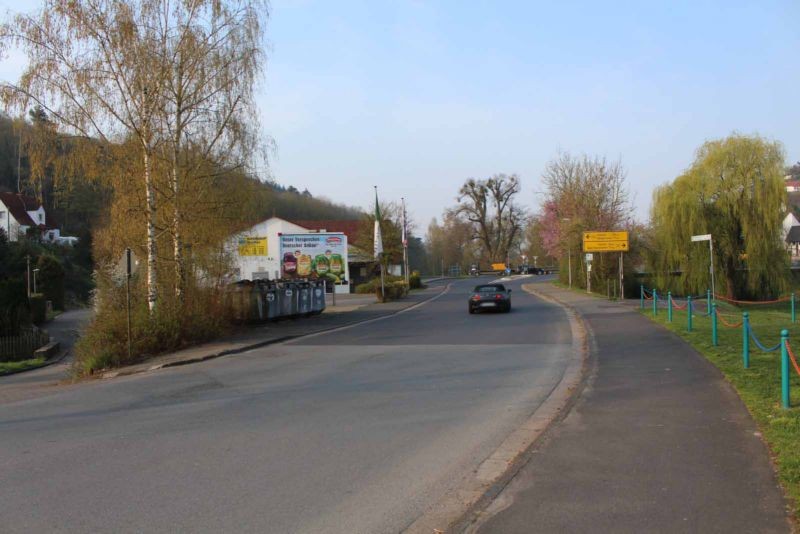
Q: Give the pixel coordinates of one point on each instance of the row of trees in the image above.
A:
(734, 190)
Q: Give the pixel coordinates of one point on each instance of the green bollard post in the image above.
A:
(714, 339)
(794, 315)
(641, 297)
(689, 313)
(785, 399)
(708, 300)
(655, 302)
(746, 340)
(669, 306)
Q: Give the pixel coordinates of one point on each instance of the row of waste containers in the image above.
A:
(265, 300)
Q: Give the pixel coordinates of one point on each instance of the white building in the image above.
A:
(20, 213)
(256, 252)
(262, 266)
(789, 222)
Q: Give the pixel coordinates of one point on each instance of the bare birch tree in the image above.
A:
(175, 76)
(213, 57)
(93, 66)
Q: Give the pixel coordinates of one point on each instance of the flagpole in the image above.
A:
(405, 244)
(378, 243)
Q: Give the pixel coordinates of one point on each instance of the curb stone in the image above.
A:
(47, 363)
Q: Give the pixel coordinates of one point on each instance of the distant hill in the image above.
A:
(79, 206)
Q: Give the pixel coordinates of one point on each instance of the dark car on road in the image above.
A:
(490, 297)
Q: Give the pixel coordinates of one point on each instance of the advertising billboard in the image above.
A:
(314, 256)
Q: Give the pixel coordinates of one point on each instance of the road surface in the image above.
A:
(357, 430)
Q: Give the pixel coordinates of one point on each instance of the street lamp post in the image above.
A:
(34, 280)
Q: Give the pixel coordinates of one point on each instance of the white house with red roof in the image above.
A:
(19, 213)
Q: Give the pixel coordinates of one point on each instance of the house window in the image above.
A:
(41, 217)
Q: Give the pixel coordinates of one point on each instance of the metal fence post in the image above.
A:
(655, 302)
(714, 340)
(641, 297)
(669, 306)
(708, 300)
(746, 340)
(785, 399)
(689, 313)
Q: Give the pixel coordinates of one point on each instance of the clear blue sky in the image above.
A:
(416, 96)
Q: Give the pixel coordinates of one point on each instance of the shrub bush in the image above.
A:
(51, 280)
(173, 326)
(38, 304)
(415, 280)
(393, 291)
(371, 285)
(14, 307)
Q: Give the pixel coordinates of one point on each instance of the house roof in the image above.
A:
(349, 228)
(794, 235)
(19, 205)
(792, 183)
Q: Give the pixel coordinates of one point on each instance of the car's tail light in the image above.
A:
(476, 297)
(498, 297)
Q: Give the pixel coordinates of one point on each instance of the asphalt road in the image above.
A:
(358, 430)
(32, 384)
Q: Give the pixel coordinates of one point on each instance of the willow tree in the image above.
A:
(734, 191)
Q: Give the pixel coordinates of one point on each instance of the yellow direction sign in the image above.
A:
(252, 246)
(605, 241)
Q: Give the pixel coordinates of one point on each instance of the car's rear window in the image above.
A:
(489, 289)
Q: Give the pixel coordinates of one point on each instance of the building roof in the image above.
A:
(792, 183)
(19, 205)
(794, 235)
(349, 228)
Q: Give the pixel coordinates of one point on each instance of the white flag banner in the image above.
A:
(378, 240)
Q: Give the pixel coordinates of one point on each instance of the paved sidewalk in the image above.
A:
(656, 442)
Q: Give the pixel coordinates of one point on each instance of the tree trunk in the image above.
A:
(180, 271)
(152, 249)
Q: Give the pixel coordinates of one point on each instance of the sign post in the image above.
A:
(129, 265)
(606, 242)
(707, 237)
(589, 258)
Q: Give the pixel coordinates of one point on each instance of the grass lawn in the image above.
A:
(13, 367)
(759, 386)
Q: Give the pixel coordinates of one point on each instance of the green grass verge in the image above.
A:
(759, 386)
(24, 365)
